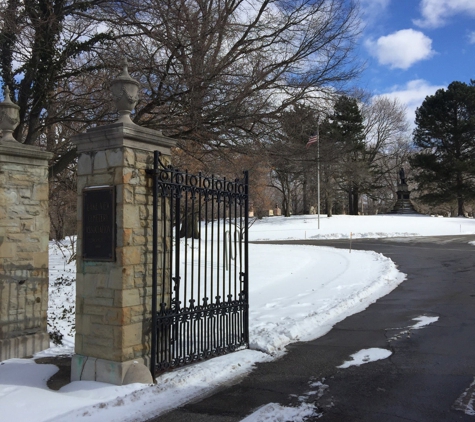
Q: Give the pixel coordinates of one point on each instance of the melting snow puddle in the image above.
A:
(373, 354)
(366, 356)
(422, 322)
(465, 403)
(274, 412)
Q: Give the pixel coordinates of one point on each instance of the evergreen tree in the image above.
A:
(445, 136)
(347, 132)
(294, 166)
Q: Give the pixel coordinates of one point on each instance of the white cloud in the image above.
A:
(372, 9)
(412, 94)
(436, 12)
(401, 49)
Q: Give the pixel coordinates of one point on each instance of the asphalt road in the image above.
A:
(428, 370)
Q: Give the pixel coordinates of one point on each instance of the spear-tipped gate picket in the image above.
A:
(200, 266)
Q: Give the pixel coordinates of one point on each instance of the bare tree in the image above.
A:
(49, 60)
(387, 139)
(385, 123)
(216, 74)
(221, 72)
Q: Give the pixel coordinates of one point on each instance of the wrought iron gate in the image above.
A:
(200, 267)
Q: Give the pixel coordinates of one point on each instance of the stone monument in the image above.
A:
(403, 203)
(114, 250)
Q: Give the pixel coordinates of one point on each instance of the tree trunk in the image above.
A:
(460, 207)
(356, 198)
(285, 207)
(329, 206)
(353, 198)
(190, 227)
(305, 206)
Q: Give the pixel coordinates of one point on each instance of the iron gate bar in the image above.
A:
(202, 312)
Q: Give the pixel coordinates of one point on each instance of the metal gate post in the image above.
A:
(246, 257)
(153, 348)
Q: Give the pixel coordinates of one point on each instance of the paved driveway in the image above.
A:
(426, 374)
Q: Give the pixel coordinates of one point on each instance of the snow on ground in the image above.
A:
(296, 293)
(327, 285)
(274, 412)
(465, 403)
(373, 354)
(364, 226)
(62, 297)
(366, 356)
(423, 320)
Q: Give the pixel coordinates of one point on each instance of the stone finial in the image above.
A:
(125, 93)
(9, 117)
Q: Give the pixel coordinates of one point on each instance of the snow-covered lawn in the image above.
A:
(296, 293)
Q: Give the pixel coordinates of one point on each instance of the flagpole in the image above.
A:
(318, 173)
(311, 141)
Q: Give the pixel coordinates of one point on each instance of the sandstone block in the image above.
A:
(98, 343)
(105, 293)
(129, 255)
(8, 197)
(126, 298)
(100, 161)
(92, 349)
(92, 309)
(121, 278)
(114, 157)
(113, 316)
(84, 165)
(127, 216)
(7, 250)
(103, 331)
(40, 192)
(40, 259)
(132, 335)
(129, 157)
(100, 179)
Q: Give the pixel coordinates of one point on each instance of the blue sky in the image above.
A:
(414, 47)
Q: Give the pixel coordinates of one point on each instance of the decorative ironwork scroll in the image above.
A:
(200, 267)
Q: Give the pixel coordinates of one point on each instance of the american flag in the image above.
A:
(313, 139)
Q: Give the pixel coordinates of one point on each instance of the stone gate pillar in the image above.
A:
(24, 234)
(114, 250)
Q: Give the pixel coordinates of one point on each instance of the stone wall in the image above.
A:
(24, 234)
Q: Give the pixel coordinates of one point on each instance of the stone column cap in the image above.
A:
(24, 151)
(121, 134)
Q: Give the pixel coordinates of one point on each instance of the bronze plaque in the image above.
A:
(98, 236)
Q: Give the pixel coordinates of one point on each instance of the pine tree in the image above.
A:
(347, 131)
(445, 136)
